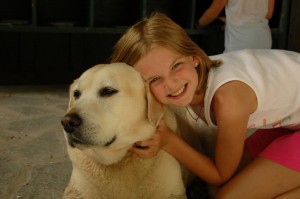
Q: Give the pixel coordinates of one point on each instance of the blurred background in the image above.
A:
(54, 41)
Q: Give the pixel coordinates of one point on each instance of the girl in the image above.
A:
(247, 89)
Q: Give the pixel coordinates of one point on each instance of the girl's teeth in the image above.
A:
(178, 92)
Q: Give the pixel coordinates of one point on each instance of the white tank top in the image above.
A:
(274, 75)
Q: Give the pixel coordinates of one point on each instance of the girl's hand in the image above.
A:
(223, 19)
(149, 148)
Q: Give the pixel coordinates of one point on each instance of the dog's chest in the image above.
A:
(133, 178)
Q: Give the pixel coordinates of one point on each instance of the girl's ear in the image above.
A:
(155, 108)
(196, 62)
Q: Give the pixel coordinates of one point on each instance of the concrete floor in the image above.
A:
(33, 158)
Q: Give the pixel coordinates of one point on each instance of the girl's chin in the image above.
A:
(178, 103)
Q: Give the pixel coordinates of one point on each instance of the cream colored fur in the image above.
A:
(116, 110)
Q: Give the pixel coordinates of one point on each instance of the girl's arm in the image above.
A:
(212, 12)
(271, 5)
(233, 103)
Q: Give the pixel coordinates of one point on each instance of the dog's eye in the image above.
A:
(107, 91)
(76, 94)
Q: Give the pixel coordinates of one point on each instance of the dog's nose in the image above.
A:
(71, 122)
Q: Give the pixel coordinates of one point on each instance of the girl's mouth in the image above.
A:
(177, 93)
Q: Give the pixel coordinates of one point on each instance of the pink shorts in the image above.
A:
(279, 145)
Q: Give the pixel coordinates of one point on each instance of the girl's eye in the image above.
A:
(175, 66)
(153, 80)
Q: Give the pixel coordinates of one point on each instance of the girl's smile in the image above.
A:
(176, 94)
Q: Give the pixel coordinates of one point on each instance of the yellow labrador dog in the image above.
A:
(109, 110)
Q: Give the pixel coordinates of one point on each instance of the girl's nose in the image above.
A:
(170, 83)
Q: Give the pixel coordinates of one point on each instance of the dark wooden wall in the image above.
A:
(54, 41)
(293, 38)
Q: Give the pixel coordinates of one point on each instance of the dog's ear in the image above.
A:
(71, 98)
(155, 108)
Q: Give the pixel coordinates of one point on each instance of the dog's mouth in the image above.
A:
(110, 142)
(74, 141)
(77, 142)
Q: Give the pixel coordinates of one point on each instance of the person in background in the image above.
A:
(231, 92)
(247, 22)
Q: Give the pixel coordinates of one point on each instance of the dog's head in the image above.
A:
(110, 108)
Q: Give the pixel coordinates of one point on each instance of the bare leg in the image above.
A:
(261, 179)
(293, 194)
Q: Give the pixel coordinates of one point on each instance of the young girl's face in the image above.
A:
(172, 78)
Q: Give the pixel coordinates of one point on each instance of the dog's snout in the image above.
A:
(71, 122)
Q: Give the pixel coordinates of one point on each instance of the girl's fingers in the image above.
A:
(145, 149)
(148, 148)
(143, 153)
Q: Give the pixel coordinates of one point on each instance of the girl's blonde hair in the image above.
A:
(160, 30)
